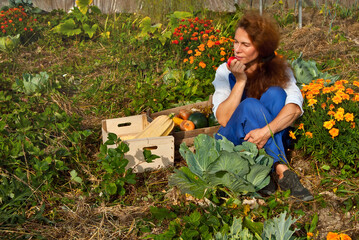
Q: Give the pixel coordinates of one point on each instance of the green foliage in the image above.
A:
(307, 71)
(220, 224)
(80, 21)
(26, 4)
(279, 228)
(9, 43)
(113, 164)
(30, 84)
(328, 128)
(15, 21)
(38, 145)
(218, 163)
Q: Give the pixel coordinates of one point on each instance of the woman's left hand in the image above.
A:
(258, 136)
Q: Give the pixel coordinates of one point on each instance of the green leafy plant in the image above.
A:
(328, 127)
(219, 165)
(30, 84)
(306, 71)
(113, 164)
(15, 21)
(9, 43)
(79, 22)
(26, 4)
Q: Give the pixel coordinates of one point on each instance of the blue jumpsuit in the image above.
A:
(251, 114)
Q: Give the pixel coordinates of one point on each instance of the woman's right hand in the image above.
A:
(238, 70)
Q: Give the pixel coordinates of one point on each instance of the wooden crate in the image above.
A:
(127, 126)
(189, 136)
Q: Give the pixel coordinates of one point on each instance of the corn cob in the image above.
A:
(160, 126)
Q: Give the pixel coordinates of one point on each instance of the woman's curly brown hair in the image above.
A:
(272, 69)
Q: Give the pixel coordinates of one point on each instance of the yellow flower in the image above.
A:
(312, 101)
(301, 126)
(202, 64)
(309, 134)
(292, 135)
(349, 117)
(198, 53)
(331, 107)
(337, 99)
(329, 124)
(309, 234)
(334, 132)
(339, 115)
(356, 83)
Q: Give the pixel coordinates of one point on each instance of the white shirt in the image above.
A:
(223, 88)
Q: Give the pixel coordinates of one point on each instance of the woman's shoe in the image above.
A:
(297, 190)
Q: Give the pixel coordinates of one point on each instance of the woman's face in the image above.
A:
(244, 49)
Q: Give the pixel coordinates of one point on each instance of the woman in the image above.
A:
(256, 97)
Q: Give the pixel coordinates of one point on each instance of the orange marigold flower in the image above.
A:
(201, 47)
(349, 117)
(356, 83)
(327, 90)
(332, 236)
(329, 124)
(191, 59)
(331, 107)
(356, 97)
(190, 52)
(222, 59)
(223, 53)
(301, 126)
(343, 236)
(309, 234)
(309, 134)
(334, 132)
(198, 53)
(339, 116)
(185, 60)
(352, 124)
(337, 99)
(292, 135)
(312, 101)
(210, 43)
(202, 65)
(349, 91)
(323, 105)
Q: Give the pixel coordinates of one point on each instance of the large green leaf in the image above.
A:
(279, 228)
(188, 182)
(68, 28)
(83, 5)
(233, 182)
(206, 153)
(90, 30)
(258, 176)
(230, 162)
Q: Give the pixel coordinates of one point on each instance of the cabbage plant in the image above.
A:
(219, 165)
